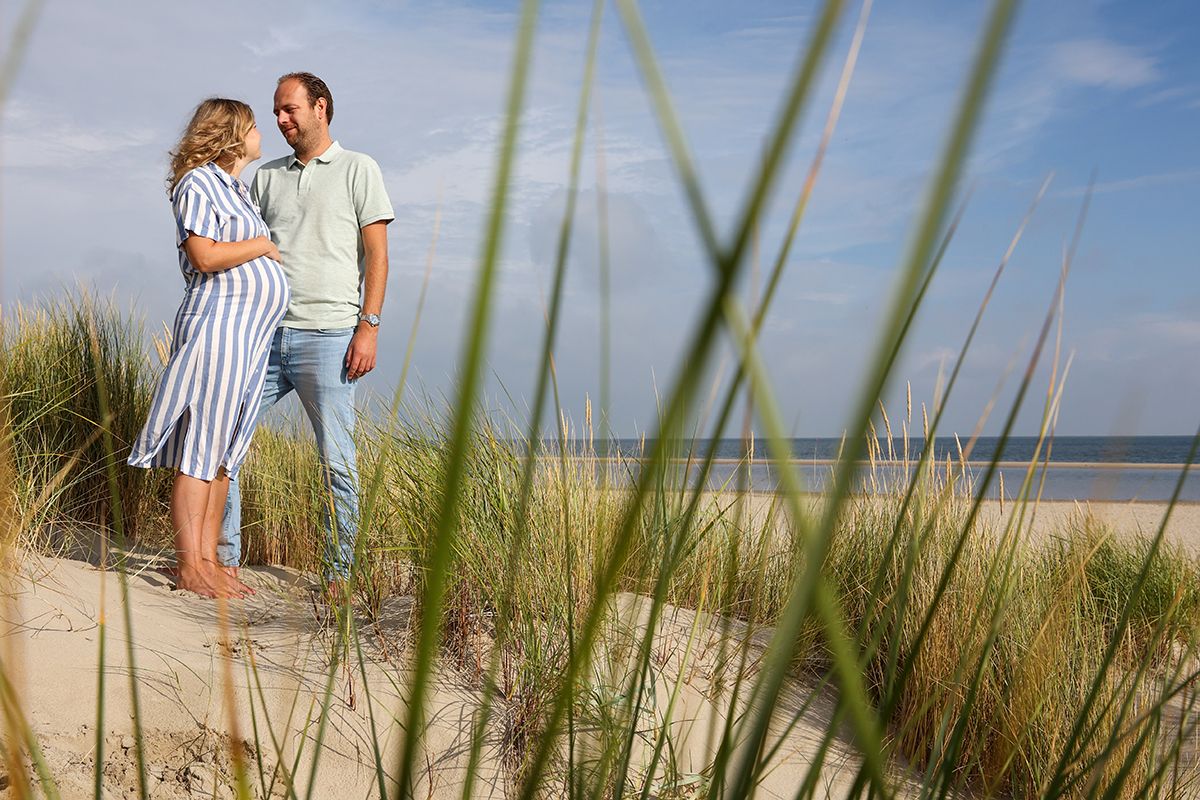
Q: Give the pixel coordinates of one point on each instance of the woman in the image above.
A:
(206, 405)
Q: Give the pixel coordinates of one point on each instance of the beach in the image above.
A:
(187, 731)
(278, 654)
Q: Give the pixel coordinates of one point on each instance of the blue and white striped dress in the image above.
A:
(206, 405)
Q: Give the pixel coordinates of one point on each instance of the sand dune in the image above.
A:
(178, 655)
(55, 615)
(53, 621)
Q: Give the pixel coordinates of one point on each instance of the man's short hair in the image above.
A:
(315, 87)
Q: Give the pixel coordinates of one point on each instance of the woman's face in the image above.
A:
(252, 144)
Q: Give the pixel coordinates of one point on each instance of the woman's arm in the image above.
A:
(208, 255)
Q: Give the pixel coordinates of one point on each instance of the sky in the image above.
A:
(1087, 87)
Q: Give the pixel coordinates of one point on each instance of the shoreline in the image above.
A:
(1065, 481)
(1008, 501)
(1045, 520)
(900, 463)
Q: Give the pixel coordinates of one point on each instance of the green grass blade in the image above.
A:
(370, 506)
(897, 682)
(672, 132)
(118, 520)
(805, 595)
(533, 436)
(824, 606)
(927, 452)
(18, 46)
(17, 723)
(376, 753)
(289, 781)
(343, 614)
(895, 686)
(818, 160)
(605, 288)
(101, 644)
(258, 737)
(438, 562)
(686, 382)
(780, 263)
(893, 691)
(1057, 783)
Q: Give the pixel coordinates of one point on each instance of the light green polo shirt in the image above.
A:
(316, 213)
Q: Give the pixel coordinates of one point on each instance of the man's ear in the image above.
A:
(323, 106)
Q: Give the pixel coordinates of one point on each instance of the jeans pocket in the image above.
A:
(335, 331)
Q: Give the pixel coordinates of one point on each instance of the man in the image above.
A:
(328, 211)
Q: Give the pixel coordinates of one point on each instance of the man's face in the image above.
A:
(299, 122)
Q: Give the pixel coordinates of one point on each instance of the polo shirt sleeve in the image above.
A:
(194, 213)
(371, 202)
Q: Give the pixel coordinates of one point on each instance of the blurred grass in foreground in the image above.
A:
(961, 655)
(1045, 622)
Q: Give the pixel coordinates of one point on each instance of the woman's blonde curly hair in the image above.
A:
(217, 132)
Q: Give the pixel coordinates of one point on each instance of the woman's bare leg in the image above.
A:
(212, 532)
(189, 504)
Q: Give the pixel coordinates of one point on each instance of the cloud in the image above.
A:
(638, 257)
(1137, 182)
(277, 41)
(940, 357)
(40, 138)
(1138, 337)
(421, 88)
(1104, 63)
(1185, 95)
(1168, 329)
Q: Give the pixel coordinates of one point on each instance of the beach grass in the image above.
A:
(959, 654)
(1014, 645)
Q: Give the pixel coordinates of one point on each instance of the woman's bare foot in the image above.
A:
(206, 583)
(230, 572)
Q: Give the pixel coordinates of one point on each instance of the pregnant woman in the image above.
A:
(206, 405)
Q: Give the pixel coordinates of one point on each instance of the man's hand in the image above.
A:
(360, 356)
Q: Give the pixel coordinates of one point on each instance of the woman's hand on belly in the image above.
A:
(207, 255)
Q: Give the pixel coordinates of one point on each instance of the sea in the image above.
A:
(1084, 468)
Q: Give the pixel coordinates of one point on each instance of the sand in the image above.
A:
(1122, 519)
(178, 654)
(57, 606)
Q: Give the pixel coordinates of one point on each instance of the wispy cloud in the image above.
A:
(1105, 63)
(1187, 94)
(275, 42)
(1137, 182)
(41, 138)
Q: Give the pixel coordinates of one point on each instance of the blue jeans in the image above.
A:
(313, 363)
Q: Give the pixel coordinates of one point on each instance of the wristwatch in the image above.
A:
(370, 319)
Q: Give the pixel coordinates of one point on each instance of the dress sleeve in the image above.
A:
(194, 213)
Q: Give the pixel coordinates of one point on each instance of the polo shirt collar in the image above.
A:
(331, 152)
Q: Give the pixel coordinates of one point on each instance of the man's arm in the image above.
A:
(360, 356)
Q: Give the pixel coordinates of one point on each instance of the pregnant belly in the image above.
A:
(258, 288)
